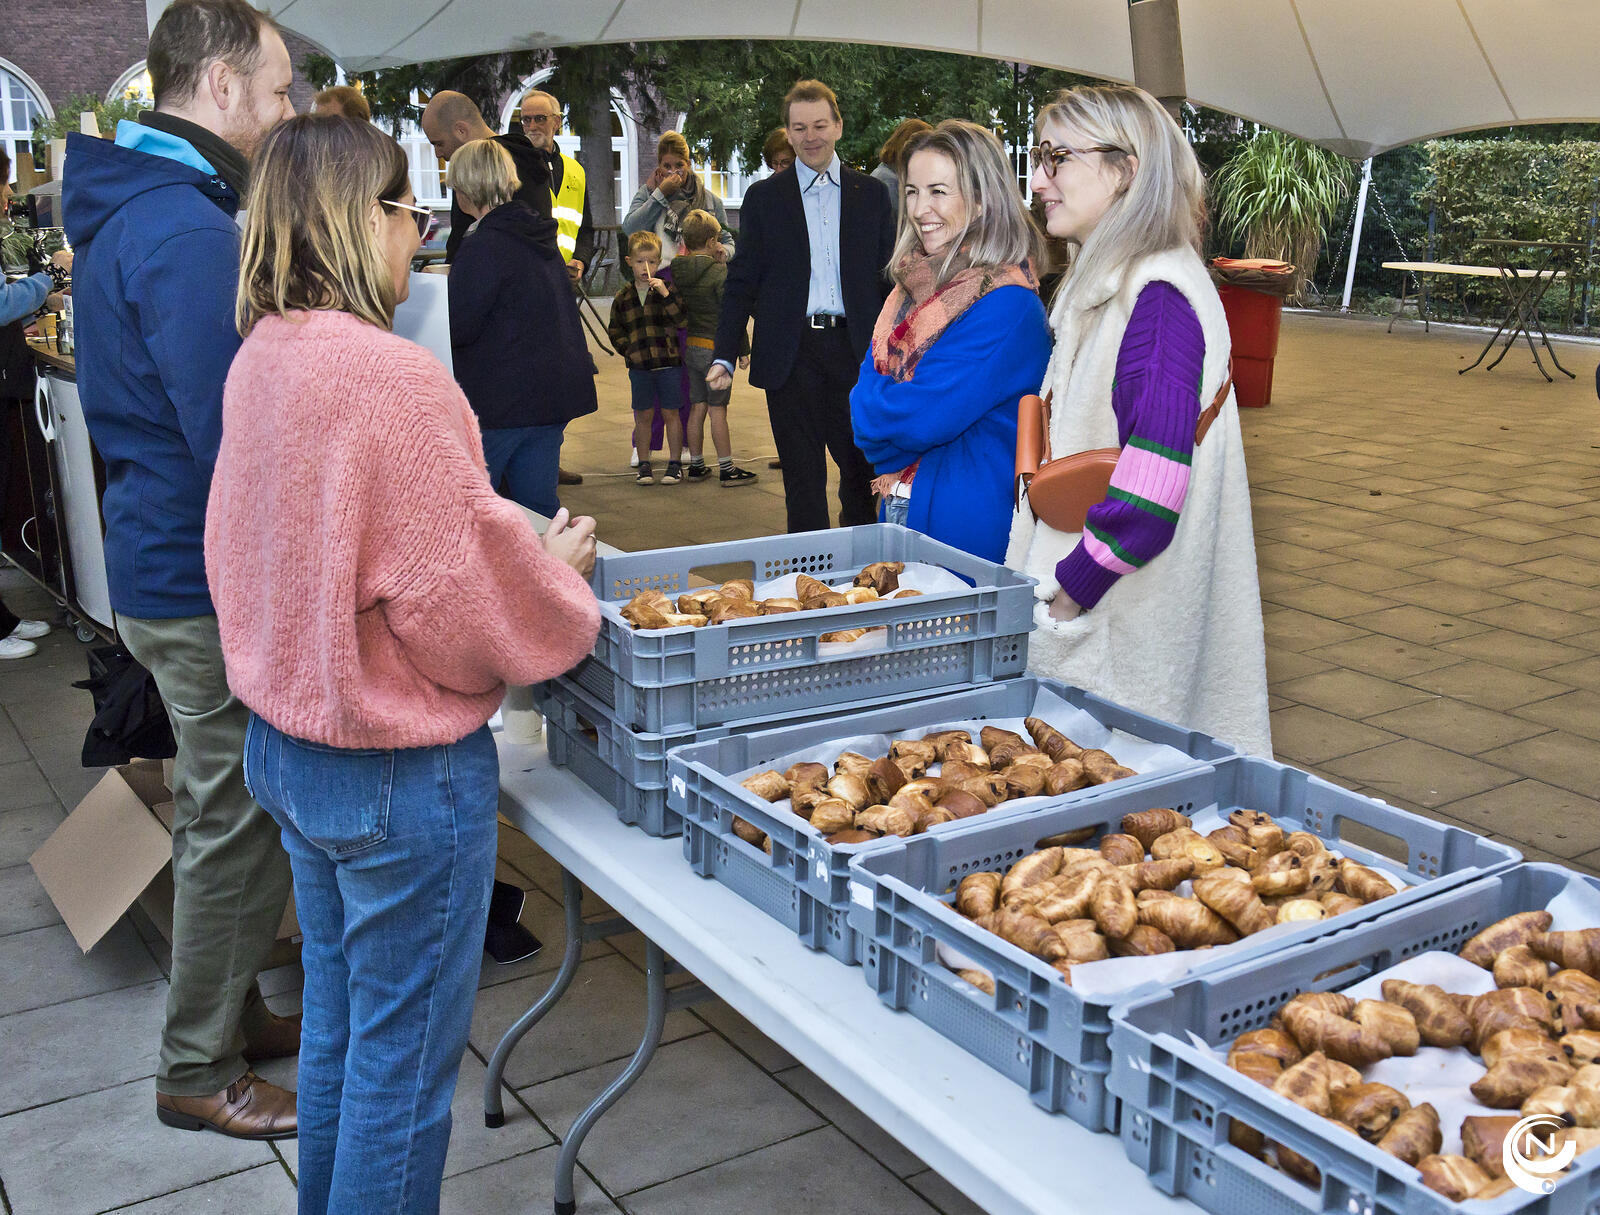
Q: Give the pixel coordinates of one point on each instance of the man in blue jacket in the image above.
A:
(152, 218)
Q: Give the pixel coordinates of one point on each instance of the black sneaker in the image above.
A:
(673, 475)
(738, 476)
(698, 472)
(643, 475)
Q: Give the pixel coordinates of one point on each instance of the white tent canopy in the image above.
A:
(1357, 76)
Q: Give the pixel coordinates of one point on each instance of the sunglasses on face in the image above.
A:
(1050, 158)
(421, 215)
(537, 119)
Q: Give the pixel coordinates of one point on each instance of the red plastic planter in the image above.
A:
(1254, 318)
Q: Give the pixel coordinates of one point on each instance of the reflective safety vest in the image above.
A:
(567, 206)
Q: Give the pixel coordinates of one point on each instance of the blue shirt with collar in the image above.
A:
(820, 194)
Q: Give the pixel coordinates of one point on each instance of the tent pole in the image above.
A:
(1158, 52)
(1355, 241)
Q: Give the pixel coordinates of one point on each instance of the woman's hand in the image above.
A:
(62, 258)
(657, 176)
(572, 541)
(883, 486)
(1064, 607)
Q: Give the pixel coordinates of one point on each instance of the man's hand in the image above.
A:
(62, 258)
(571, 541)
(883, 486)
(719, 377)
(53, 302)
(1064, 607)
(574, 269)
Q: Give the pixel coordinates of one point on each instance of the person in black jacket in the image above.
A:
(814, 241)
(515, 337)
(452, 120)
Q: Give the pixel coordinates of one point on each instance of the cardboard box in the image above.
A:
(115, 850)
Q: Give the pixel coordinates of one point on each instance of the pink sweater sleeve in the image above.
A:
(461, 576)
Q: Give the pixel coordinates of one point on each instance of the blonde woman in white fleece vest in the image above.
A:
(1155, 604)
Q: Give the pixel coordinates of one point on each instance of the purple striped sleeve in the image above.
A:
(1156, 397)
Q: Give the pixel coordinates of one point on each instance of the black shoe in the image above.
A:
(642, 475)
(673, 475)
(738, 476)
(697, 472)
(505, 939)
(775, 464)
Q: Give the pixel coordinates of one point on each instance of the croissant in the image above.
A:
(1337, 902)
(1581, 1046)
(1082, 946)
(860, 594)
(1369, 1109)
(739, 588)
(807, 587)
(1515, 1078)
(1440, 1022)
(805, 776)
(1190, 924)
(749, 832)
(1005, 754)
(1027, 932)
(977, 893)
(768, 786)
(1346, 1041)
(852, 763)
(914, 755)
(882, 576)
(981, 979)
(1578, 949)
(1266, 838)
(928, 817)
(1071, 899)
(844, 635)
(1143, 942)
(1235, 902)
(1519, 1041)
(1390, 1022)
(1121, 849)
(1051, 741)
(1239, 855)
(831, 814)
(1335, 1002)
(1414, 1135)
(942, 740)
(779, 607)
(1553, 1099)
(1517, 929)
(734, 609)
(698, 601)
(1456, 1177)
(960, 803)
(1508, 1007)
(1302, 911)
(1483, 1140)
(1518, 967)
(1157, 875)
(1263, 1069)
(804, 800)
(1033, 868)
(645, 615)
(1113, 908)
(828, 599)
(989, 788)
(886, 820)
(1102, 768)
(914, 801)
(1065, 777)
(1174, 843)
(1363, 883)
(1303, 842)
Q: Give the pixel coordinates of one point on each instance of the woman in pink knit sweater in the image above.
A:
(375, 596)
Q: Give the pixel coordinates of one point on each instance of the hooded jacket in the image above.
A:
(157, 263)
(515, 337)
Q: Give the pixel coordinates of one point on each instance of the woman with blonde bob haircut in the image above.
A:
(374, 598)
(1156, 603)
(959, 341)
(484, 174)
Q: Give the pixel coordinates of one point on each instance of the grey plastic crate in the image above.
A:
(626, 767)
(804, 881)
(1035, 1028)
(1177, 1100)
(678, 680)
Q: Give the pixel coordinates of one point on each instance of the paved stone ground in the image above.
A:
(1428, 549)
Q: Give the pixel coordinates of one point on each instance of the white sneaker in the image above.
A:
(31, 630)
(16, 647)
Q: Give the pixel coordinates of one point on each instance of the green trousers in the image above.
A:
(230, 874)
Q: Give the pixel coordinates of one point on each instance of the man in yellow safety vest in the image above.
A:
(541, 123)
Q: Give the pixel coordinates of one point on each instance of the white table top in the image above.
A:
(970, 1123)
(1470, 271)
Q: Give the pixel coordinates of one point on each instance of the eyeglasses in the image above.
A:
(422, 216)
(1050, 158)
(539, 119)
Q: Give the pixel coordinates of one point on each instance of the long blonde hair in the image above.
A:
(1162, 203)
(307, 242)
(999, 231)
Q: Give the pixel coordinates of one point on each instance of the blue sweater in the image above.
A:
(157, 261)
(958, 415)
(24, 297)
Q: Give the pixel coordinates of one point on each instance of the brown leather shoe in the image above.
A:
(774, 463)
(249, 1108)
(568, 478)
(275, 1038)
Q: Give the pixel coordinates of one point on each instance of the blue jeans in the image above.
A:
(393, 855)
(896, 510)
(524, 462)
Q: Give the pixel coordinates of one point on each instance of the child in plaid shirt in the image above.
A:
(645, 318)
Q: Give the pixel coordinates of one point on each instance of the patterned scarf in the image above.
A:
(917, 312)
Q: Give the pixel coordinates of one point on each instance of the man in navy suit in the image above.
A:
(814, 241)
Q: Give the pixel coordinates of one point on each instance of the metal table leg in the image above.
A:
(578, 935)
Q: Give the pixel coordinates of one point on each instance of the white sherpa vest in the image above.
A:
(1180, 638)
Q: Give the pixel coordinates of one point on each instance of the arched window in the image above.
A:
(134, 85)
(21, 102)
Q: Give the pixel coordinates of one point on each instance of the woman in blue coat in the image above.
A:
(960, 340)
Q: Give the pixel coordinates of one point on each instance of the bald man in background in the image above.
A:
(452, 119)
